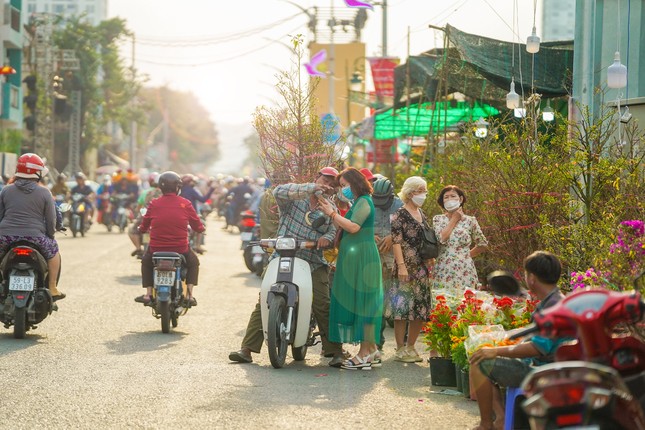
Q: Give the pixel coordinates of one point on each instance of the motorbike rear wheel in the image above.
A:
(164, 311)
(173, 320)
(20, 323)
(248, 258)
(276, 334)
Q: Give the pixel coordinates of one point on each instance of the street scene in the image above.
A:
(102, 361)
(315, 214)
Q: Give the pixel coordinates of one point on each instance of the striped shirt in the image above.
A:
(293, 203)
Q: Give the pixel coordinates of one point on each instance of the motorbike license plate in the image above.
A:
(246, 236)
(21, 283)
(164, 277)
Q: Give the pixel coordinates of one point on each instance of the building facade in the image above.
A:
(94, 11)
(558, 20)
(10, 84)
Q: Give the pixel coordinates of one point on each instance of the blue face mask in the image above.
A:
(347, 192)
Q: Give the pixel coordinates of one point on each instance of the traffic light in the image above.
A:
(31, 101)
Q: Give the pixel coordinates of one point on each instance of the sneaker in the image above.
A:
(338, 360)
(414, 355)
(401, 354)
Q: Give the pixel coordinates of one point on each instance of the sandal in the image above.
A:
(143, 299)
(358, 363)
(376, 358)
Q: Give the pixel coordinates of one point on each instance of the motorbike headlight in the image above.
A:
(285, 243)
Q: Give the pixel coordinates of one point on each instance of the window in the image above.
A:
(58, 9)
(89, 9)
(14, 96)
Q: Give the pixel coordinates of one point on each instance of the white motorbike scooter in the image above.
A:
(286, 296)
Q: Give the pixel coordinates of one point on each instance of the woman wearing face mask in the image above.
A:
(409, 295)
(457, 232)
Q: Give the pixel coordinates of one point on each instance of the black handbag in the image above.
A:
(429, 243)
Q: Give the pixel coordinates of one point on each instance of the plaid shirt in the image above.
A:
(293, 202)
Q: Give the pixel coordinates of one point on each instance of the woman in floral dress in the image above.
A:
(454, 269)
(409, 294)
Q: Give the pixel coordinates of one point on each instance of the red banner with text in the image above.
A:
(383, 75)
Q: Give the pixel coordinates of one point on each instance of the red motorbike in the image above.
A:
(598, 379)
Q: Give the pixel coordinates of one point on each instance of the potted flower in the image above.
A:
(437, 337)
(469, 312)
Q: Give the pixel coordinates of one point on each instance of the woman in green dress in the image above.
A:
(356, 307)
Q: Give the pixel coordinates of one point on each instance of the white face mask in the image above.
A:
(451, 205)
(419, 199)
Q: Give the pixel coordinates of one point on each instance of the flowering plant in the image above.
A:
(625, 260)
(469, 312)
(436, 332)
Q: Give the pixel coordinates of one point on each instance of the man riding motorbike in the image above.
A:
(296, 203)
(192, 194)
(167, 220)
(81, 187)
(28, 212)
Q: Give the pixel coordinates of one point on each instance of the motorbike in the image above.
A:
(598, 379)
(77, 221)
(122, 212)
(255, 258)
(168, 302)
(286, 297)
(104, 215)
(25, 299)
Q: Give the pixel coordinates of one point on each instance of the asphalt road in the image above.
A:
(101, 361)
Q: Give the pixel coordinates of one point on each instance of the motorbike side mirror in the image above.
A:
(65, 207)
(639, 282)
(503, 283)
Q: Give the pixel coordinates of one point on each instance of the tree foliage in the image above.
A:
(108, 88)
(192, 137)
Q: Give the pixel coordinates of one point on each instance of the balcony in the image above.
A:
(10, 32)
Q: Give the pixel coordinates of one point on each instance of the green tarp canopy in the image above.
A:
(482, 68)
(426, 118)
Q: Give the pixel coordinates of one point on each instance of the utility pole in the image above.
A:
(330, 74)
(42, 51)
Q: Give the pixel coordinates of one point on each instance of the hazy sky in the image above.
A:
(222, 50)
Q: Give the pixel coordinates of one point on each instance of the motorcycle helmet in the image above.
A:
(117, 176)
(31, 166)
(328, 171)
(169, 182)
(153, 179)
(383, 193)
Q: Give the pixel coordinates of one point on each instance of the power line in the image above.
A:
(212, 40)
(210, 62)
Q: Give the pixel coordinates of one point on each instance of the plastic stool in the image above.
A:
(512, 393)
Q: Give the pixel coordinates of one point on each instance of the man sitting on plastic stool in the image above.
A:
(506, 366)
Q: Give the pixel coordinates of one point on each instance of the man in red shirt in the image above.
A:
(167, 219)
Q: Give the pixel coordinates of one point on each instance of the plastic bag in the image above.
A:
(480, 336)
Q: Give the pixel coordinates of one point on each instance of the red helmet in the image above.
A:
(31, 166)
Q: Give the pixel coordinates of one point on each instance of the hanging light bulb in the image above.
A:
(512, 98)
(617, 73)
(533, 42)
(547, 113)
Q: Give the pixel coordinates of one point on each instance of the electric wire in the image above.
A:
(206, 62)
(213, 40)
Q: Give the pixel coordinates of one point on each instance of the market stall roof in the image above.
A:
(421, 120)
(482, 68)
